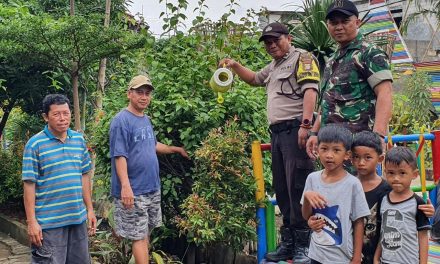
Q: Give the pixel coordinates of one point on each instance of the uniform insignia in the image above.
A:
(339, 3)
(307, 69)
(306, 61)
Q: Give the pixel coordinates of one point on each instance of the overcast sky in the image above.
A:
(151, 9)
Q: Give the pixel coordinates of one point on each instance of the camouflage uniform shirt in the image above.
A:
(347, 87)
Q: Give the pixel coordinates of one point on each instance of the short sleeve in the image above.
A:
(422, 220)
(262, 75)
(29, 171)
(377, 66)
(307, 187)
(86, 165)
(307, 71)
(118, 139)
(359, 205)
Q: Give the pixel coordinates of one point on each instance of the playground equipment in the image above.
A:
(266, 230)
(221, 82)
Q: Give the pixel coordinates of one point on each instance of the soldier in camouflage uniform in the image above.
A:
(291, 82)
(356, 88)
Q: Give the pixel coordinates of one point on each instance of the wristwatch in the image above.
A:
(312, 133)
(306, 122)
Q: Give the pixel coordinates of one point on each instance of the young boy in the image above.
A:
(367, 153)
(335, 198)
(404, 230)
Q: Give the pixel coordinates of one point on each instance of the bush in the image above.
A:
(221, 208)
(19, 129)
(11, 187)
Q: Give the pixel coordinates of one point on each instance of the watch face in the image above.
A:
(306, 122)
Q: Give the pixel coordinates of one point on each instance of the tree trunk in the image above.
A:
(84, 110)
(103, 63)
(76, 109)
(75, 77)
(6, 111)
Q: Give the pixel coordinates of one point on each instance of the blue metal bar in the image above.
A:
(273, 201)
(433, 198)
(408, 138)
(261, 234)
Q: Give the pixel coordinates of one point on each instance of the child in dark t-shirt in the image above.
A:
(404, 227)
(367, 153)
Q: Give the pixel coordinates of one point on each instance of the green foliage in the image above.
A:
(412, 109)
(222, 205)
(10, 175)
(184, 108)
(106, 248)
(311, 34)
(19, 129)
(40, 40)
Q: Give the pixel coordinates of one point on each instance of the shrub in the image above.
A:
(221, 208)
(10, 176)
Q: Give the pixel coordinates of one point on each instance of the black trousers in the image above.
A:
(290, 168)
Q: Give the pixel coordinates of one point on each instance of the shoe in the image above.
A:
(302, 243)
(284, 250)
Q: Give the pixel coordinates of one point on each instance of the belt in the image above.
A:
(284, 126)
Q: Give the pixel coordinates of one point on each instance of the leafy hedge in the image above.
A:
(184, 108)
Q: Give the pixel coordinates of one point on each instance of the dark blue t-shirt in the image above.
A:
(132, 137)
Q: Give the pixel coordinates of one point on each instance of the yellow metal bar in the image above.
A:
(257, 162)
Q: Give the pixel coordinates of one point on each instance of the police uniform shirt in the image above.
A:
(284, 93)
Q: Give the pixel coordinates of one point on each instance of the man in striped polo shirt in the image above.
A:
(57, 193)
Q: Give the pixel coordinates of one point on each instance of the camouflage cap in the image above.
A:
(139, 81)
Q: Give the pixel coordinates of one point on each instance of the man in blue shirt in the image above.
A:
(57, 192)
(135, 169)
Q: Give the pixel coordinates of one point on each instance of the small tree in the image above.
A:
(221, 208)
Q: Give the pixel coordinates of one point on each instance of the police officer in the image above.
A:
(291, 82)
(356, 88)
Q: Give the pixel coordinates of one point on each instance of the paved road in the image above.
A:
(12, 252)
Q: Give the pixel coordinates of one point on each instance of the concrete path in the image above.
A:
(12, 252)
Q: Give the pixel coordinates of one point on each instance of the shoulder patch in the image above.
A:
(306, 61)
(308, 70)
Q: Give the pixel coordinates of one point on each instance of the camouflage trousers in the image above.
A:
(137, 222)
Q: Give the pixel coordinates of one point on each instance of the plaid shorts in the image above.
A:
(137, 222)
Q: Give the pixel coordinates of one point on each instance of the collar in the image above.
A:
(356, 43)
(291, 50)
(286, 56)
(52, 136)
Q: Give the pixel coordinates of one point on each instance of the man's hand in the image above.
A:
(316, 224)
(315, 199)
(182, 152)
(227, 62)
(427, 209)
(312, 147)
(35, 233)
(302, 137)
(91, 223)
(356, 261)
(127, 196)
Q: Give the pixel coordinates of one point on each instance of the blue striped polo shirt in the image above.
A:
(57, 169)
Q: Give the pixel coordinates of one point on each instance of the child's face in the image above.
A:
(332, 155)
(365, 160)
(399, 177)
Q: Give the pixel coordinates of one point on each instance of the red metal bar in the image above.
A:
(265, 146)
(436, 155)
